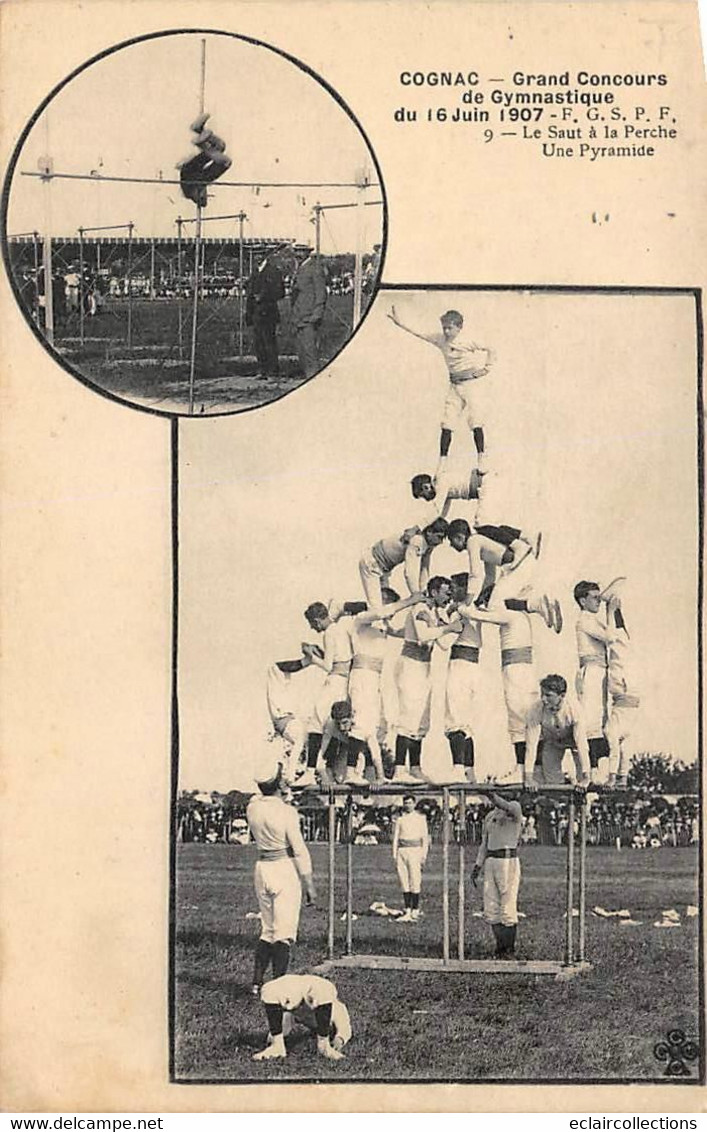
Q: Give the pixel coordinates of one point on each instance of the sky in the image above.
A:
(591, 437)
(128, 115)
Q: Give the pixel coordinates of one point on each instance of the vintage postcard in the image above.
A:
(352, 556)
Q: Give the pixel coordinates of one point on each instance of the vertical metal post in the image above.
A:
(461, 890)
(349, 877)
(152, 267)
(179, 287)
(445, 875)
(582, 877)
(47, 256)
(35, 245)
(241, 289)
(569, 944)
(130, 286)
(195, 309)
(332, 871)
(358, 262)
(317, 227)
(81, 288)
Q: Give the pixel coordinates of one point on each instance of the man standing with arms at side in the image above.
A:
(266, 287)
(307, 303)
(283, 868)
(498, 856)
(411, 844)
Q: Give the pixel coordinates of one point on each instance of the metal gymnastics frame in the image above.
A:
(573, 961)
(48, 176)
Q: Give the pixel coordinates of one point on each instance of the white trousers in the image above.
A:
(461, 406)
(520, 692)
(501, 884)
(591, 688)
(279, 892)
(335, 688)
(409, 865)
(365, 696)
(414, 693)
(462, 682)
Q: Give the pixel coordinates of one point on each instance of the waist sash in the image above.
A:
(516, 656)
(372, 663)
(585, 661)
(340, 668)
(626, 699)
(465, 375)
(275, 854)
(415, 650)
(465, 652)
(410, 843)
(501, 853)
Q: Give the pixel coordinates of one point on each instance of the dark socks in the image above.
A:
(415, 749)
(280, 958)
(456, 746)
(401, 749)
(314, 743)
(274, 1015)
(263, 956)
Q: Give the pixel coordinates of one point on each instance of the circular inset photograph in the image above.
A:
(194, 223)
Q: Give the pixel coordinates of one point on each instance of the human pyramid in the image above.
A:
(447, 613)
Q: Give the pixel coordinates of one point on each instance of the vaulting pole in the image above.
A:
(195, 308)
(569, 940)
(582, 877)
(461, 888)
(197, 253)
(332, 873)
(349, 878)
(445, 875)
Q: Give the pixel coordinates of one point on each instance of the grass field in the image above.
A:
(155, 372)
(601, 1025)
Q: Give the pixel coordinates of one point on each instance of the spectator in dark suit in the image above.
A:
(266, 287)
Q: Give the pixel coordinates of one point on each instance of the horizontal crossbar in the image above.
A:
(437, 788)
(456, 966)
(220, 184)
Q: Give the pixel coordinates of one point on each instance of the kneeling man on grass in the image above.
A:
(498, 857)
(315, 1003)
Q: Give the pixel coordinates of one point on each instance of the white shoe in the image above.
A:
(470, 774)
(275, 1049)
(401, 775)
(457, 773)
(406, 917)
(415, 915)
(326, 1049)
(418, 775)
